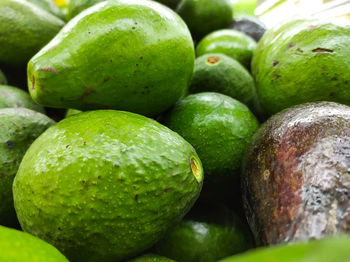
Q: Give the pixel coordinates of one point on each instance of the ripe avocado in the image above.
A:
(145, 67)
(302, 61)
(105, 185)
(325, 250)
(219, 128)
(229, 42)
(295, 177)
(205, 16)
(17, 246)
(19, 127)
(14, 97)
(3, 80)
(24, 29)
(151, 258)
(50, 6)
(249, 25)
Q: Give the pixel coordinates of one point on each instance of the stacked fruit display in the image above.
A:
(156, 152)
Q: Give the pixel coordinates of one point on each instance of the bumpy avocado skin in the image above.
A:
(229, 42)
(325, 250)
(205, 16)
(105, 185)
(17, 246)
(50, 6)
(302, 61)
(138, 58)
(24, 29)
(19, 127)
(295, 175)
(3, 80)
(151, 258)
(14, 97)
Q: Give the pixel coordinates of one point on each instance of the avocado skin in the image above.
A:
(24, 29)
(3, 80)
(230, 42)
(205, 16)
(249, 25)
(19, 127)
(151, 258)
(325, 250)
(130, 74)
(302, 61)
(19, 246)
(105, 185)
(295, 174)
(50, 6)
(14, 97)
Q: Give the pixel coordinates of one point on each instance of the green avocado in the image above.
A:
(205, 16)
(19, 127)
(208, 233)
(14, 97)
(302, 61)
(151, 258)
(24, 29)
(331, 249)
(219, 128)
(17, 246)
(48, 5)
(229, 42)
(72, 112)
(132, 55)
(105, 185)
(3, 80)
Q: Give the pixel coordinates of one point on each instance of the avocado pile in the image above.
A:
(171, 130)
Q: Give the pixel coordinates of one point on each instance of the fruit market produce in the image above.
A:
(296, 181)
(24, 29)
(151, 258)
(332, 249)
(19, 127)
(105, 185)
(208, 233)
(205, 16)
(17, 246)
(147, 58)
(14, 97)
(230, 42)
(49, 6)
(302, 61)
(3, 80)
(219, 128)
(249, 25)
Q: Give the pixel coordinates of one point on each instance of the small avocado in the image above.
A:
(142, 64)
(3, 80)
(325, 250)
(106, 185)
(205, 16)
(229, 42)
(219, 128)
(19, 127)
(14, 97)
(249, 25)
(24, 29)
(295, 177)
(72, 112)
(151, 258)
(50, 6)
(17, 246)
(208, 233)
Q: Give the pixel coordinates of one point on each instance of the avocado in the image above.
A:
(208, 233)
(151, 258)
(3, 80)
(105, 185)
(24, 29)
(205, 16)
(325, 250)
(50, 6)
(17, 246)
(249, 25)
(19, 127)
(13, 97)
(219, 128)
(295, 175)
(145, 67)
(229, 42)
(222, 74)
(72, 112)
(302, 61)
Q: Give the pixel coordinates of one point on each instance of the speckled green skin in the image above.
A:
(105, 185)
(210, 232)
(302, 61)
(24, 29)
(219, 128)
(19, 127)
(48, 5)
(205, 16)
(151, 258)
(14, 97)
(17, 246)
(333, 249)
(138, 58)
(72, 112)
(3, 80)
(222, 74)
(229, 42)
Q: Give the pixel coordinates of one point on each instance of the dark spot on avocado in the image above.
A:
(60, 229)
(137, 64)
(275, 63)
(84, 143)
(67, 146)
(167, 189)
(9, 143)
(145, 87)
(331, 94)
(98, 177)
(136, 197)
(141, 57)
(61, 99)
(213, 60)
(49, 69)
(111, 60)
(277, 76)
(299, 50)
(6, 163)
(106, 79)
(322, 50)
(87, 92)
(334, 79)
(133, 28)
(32, 79)
(290, 45)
